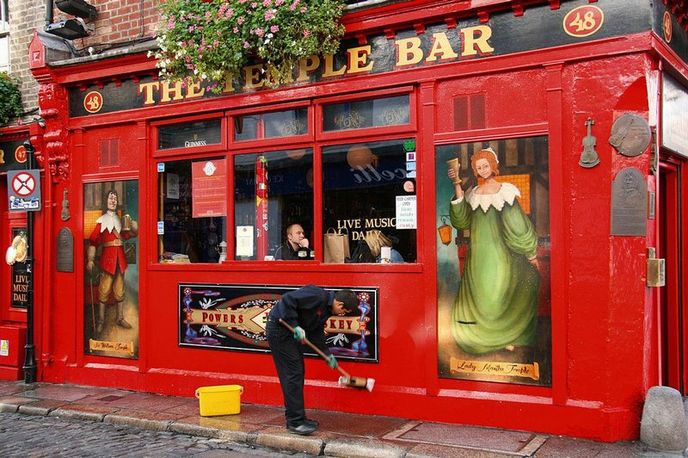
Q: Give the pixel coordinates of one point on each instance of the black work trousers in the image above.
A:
(288, 356)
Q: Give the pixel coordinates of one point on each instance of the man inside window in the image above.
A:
(296, 247)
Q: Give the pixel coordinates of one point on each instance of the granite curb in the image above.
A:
(271, 437)
(340, 434)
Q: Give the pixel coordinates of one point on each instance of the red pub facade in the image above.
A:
(550, 305)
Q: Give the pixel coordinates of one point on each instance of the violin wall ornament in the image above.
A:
(589, 157)
(64, 215)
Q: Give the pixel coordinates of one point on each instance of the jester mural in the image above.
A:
(111, 270)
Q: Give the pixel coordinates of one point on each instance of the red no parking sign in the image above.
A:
(24, 190)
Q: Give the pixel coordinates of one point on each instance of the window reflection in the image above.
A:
(388, 111)
(272, 191)
(362, 185)
(192, 210)
(271, 125)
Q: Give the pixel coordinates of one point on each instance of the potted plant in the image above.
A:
(10, 99)
(214, 39)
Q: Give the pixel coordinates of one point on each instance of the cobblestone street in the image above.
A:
(39, 436)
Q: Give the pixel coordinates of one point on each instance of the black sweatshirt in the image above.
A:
(308, 307)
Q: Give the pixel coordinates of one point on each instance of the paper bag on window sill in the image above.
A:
(336, 247)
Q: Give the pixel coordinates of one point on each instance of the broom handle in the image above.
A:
(316, 349)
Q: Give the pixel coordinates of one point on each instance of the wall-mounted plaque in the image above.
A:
(630, 135)
(65, 251)
(629, 203)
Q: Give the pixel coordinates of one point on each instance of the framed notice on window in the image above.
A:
(209, 185)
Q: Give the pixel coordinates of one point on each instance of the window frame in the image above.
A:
(316, 139)
(5, 34)
(346, 134)
(265, 142)
(219, 148)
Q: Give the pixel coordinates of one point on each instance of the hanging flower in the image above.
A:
(10, 99)
(277, 32)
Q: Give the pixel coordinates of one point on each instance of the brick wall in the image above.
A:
(119, 21)
(25, 16)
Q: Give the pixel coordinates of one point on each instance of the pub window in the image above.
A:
(192, 210)
(360, 114)
(4, 37)
(275, 124)
(369, 192)
(190, 134)
(272, 191)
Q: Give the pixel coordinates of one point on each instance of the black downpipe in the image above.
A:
(48, 12)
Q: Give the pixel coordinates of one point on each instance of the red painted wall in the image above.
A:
(600, 306)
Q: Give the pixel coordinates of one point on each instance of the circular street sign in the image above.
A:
(23, 184)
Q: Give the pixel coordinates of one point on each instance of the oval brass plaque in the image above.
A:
(630, 135)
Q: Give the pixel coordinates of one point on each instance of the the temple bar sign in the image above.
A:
(428, 44)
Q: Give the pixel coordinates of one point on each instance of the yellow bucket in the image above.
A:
(219, 400)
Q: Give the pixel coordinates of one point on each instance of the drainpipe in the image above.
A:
(48, 12)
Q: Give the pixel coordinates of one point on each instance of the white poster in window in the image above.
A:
(172, 186)
(406, 212)
(4, 347)
(244, 241)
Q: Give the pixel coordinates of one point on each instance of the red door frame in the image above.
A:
(672, 320)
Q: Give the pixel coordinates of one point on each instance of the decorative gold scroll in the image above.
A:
(115, 347)
(494, 368)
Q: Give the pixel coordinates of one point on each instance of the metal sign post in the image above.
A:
(29, 354)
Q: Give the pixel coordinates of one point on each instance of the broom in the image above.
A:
(345, 379)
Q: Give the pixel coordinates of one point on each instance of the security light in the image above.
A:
(69, 29)
(78, 8)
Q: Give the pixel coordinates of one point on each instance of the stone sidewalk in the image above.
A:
(340, 434)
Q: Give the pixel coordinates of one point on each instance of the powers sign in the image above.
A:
(233, 317)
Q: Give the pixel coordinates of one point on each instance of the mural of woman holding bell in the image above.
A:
(109, 233)
(496, 305)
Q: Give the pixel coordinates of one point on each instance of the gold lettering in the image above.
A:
(408, 51)
(441, 46)
(357, 59)
(229, 85)
(306, 66)
(193, 89)
(253, 78)
(329, 68)
(166, 90)
(147, 90)
(476, 37)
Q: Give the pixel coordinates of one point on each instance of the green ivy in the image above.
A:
(214, 39)
(10, 99)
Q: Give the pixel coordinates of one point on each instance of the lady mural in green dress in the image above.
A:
(496, 307)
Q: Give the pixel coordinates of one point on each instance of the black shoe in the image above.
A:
(310, 421)
(304, 429)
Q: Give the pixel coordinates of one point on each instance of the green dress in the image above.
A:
(497, 301)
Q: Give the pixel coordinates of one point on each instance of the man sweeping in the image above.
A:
(306, 310)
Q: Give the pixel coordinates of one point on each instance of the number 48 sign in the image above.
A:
(24, 190)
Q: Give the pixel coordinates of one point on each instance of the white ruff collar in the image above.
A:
(506, 194)
(109, 221)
